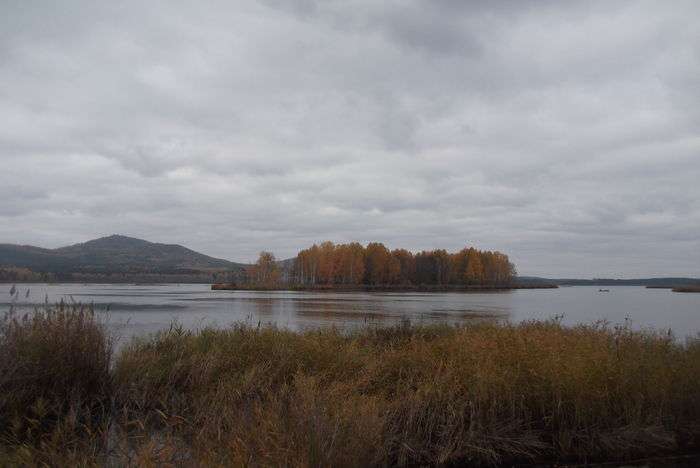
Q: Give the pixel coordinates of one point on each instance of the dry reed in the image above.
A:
(486, 394)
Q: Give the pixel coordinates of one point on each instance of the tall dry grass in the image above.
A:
(485, 394)
(409, 395)
(55, 382)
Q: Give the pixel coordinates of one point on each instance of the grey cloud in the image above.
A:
(564, 134)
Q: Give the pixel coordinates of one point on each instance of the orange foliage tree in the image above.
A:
(265, 272)
(352, 264)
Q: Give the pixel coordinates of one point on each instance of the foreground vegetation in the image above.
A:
(483, 394)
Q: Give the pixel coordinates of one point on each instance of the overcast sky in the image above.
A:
(565, 135)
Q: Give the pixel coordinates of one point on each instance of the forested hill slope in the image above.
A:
(113, 254)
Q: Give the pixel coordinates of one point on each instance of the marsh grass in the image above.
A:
(485, 394)
(55, 381)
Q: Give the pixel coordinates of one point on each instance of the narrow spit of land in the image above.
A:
(376, 288)
(687, 289)
(483, 395)
(691, 288)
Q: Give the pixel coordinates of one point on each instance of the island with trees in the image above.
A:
(352, 266)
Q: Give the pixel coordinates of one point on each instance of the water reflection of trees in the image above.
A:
(344, 311)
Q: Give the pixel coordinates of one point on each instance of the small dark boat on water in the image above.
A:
(603, 290)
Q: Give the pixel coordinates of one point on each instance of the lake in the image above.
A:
(140, 309)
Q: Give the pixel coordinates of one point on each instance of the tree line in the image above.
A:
(353, 264)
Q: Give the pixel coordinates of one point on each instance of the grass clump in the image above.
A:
(54, 380)
(485, 394)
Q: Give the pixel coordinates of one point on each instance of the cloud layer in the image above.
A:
(567, 136)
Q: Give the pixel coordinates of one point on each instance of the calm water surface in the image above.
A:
(140, 309)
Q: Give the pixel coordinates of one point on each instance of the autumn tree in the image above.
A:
(474, 273)
(353, 264)
(458, 267)
(407, 266)
(327, 262)
(380, 267)
(350, 264)
(265, 272)
(442, 266)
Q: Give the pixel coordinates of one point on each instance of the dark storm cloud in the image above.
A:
(564, 134)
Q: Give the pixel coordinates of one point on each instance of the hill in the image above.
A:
(112, 255)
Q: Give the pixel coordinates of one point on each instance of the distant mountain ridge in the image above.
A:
(113, 254)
